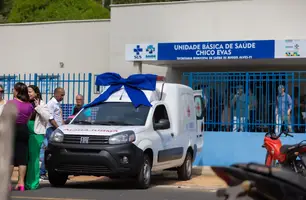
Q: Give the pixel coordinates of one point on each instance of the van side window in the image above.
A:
(199, 107)
(160, 113)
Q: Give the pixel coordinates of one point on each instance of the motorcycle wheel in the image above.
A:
(301, 168)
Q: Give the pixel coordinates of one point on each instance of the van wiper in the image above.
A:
(112, 123)
(81, 122)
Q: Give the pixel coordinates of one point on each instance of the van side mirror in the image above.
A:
(162, 124)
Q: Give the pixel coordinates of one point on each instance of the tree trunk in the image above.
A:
(7, 121)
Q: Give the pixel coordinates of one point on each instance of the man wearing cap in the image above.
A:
(239, 105)
(283, 109)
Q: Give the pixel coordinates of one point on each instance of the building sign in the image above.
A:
(141, 52)
(290, 48)
(216, 50)
(224, 50)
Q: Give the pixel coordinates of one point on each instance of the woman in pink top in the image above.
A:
(21, 140)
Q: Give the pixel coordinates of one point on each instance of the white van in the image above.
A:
(117, 140)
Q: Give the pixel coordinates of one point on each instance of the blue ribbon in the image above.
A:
(133, 86)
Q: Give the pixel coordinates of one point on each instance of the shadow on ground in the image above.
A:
(118, 184)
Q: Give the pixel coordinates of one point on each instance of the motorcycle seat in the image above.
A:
(286, 148)
(283, 175)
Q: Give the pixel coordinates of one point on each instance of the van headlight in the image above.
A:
(57, 136)
(122, 138)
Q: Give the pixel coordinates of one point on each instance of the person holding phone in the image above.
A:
(37, 130)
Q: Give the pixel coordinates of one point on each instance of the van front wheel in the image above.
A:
(144, 175)
(184, 172)
(56, 179)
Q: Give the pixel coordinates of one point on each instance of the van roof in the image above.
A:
(122, 96)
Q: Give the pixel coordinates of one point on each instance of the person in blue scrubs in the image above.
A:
(79, 99)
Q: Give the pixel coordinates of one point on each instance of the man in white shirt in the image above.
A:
(55, 110)
(55, 121)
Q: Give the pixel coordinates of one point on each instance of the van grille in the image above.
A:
(92, 139)
(83, 169)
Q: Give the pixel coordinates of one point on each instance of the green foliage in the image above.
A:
(56, 10)
(140, 1)
(107, 4)
(5, 9)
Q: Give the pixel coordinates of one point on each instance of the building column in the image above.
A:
(138, 64)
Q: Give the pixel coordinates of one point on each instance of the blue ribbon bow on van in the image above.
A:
(133, 86)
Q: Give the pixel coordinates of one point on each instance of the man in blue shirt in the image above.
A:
(283, 109)
(79, 99)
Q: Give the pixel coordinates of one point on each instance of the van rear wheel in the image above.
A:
(184, 172)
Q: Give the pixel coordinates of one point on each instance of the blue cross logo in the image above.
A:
(138, 50)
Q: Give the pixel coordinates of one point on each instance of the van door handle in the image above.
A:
(172, 134)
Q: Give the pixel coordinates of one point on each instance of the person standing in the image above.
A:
(283, 109)
(37, 129)
(21, 140)
(79, 99)
(239, 105)
(2, 101)
(226, 112)
(55, 120)
(252, 110)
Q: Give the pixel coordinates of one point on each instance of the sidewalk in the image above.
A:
(206, 179)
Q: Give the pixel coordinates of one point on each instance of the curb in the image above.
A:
(204, 174)
(198, 171)
(193, 187)
(205, 170)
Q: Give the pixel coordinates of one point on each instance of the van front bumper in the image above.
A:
(95, 160)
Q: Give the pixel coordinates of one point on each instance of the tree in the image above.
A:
(56, 10)
(140, 1)
(105, 3)
(5, 9)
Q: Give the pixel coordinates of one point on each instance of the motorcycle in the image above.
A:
(287, 156)
(260, 182)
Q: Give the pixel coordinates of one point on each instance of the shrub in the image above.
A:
(56, 10)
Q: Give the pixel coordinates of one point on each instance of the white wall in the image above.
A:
(98, 46)
(83, 46)
(209, 21)
(202, 21)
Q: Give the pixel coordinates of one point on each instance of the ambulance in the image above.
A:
(118, 140)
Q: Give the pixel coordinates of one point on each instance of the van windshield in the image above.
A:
(111, 113)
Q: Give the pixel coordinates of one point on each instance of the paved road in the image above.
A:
(111, 191)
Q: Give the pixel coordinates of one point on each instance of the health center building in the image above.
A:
(253, 48)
